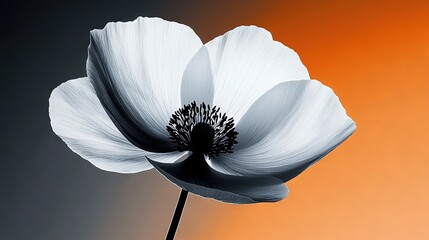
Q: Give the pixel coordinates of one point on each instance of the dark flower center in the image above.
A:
(202, 129)
(202, 137)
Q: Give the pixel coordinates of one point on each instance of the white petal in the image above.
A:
(197, 82)
(290, 127)
(139, 66)
(170, 157)
(78, 117)
(195, 176)
(246, 63)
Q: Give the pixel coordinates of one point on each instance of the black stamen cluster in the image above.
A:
(183, 121)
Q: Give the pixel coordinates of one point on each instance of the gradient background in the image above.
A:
(374, 54)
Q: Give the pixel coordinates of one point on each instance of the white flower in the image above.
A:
(145, 77)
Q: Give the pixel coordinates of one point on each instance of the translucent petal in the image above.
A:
(78, 117)
(136, 68)
(290, 127)
(246, 63)
(197, 82)
(194, 175)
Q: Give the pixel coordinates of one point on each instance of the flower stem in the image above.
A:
(177, 214)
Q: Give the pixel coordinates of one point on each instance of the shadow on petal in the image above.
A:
(196, 176)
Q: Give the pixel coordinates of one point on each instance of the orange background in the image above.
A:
(375, 55)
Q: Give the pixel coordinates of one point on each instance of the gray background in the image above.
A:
(47, 191)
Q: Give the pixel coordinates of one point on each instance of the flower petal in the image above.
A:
(246, 63)
(194, 175)
(289, 128)
(197, 82)
(79, 119)
(136, 68)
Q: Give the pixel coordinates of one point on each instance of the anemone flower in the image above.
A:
(232, 119)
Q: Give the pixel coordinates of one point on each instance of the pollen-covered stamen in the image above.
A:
(202, 129)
